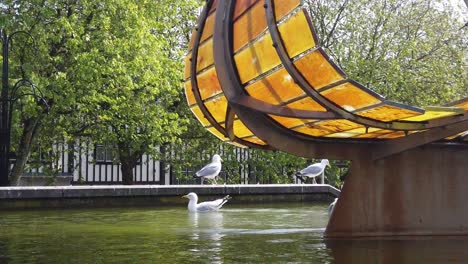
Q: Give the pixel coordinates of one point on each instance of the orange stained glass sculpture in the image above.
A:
(256, 76)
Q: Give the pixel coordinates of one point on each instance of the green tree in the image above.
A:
(110, 69)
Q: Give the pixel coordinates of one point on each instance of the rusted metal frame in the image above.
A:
(193, 68)
(196, 91)
(260, 124)
(229, 122)
(193, 79)
(447, 120)
(398, 145)
(261, 106)
(463, 100)
(309, 89)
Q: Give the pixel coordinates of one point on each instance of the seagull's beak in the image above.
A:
(185, 196)
(222, 160)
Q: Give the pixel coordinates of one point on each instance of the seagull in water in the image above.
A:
(204, 206)
(211, 170)
(313, 171)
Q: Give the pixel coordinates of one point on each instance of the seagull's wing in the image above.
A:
(208, 170)
(312, 170)
(212, 205)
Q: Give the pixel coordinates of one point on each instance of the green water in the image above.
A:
(286, 233)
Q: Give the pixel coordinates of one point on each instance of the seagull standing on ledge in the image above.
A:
(313, 171)
(211, 170)
(204, 206)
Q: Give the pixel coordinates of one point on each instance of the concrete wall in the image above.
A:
(157, 195)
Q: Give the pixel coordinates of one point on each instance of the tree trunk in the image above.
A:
(127, 171)
(31, 126)
(128, 160)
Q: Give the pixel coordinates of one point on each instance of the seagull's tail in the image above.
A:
(300, 177)
(225, 199)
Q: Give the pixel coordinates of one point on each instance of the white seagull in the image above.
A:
(313, 171)
(204, 206)
(211, 170)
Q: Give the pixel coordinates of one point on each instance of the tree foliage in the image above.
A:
(111, 70)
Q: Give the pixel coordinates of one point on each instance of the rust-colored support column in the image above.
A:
(422, 191)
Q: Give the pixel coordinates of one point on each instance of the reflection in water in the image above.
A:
(208, 226)
(279, 233)
(3, 252)
(411, 250)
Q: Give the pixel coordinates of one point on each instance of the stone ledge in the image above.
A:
(161, 190)
(156, 195)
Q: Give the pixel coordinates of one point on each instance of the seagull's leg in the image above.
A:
(202, 178)
(314, 181)
(214, 179)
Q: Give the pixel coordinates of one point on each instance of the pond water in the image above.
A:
(285, 233)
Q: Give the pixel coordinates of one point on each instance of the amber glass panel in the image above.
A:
(253, 22)
(249, 26)
(240, 130)
(205, 55)
(345, 134)
(357, 132)
(375, 134)
(463, 105)
(350, 97)
(393, 135)
(187, 66)
(317, 70)
(290, 122)
(218, 134)
(307, 104)
(428, 115)
(217, 107)
(189, 94)
(327, 127)
(388, 113)
(255, 140)
(208, 84)
(199, 115)
(209, 27)
(256, 59)
(296, 34)
(275, 88)
(241, 6)
(282, 7)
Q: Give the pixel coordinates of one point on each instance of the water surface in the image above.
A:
(285, 233)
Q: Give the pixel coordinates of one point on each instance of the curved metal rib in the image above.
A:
(228, 132)
(193, 68)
